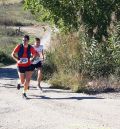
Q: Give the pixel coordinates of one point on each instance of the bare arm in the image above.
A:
(32, 58)
(14, 56)
(43, 55)
(34, 55)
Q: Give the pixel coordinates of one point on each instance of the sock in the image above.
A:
(19, 82)
(24, 91)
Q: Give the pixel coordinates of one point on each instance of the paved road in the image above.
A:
(54, 109)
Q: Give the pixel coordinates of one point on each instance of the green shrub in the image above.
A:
(88, 59)
(8, 41)
(5, 59)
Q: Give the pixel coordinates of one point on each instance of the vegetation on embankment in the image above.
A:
(85, 65)
(11, 14)
(85, 55)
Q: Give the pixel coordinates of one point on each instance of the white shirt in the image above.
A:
(39, 50)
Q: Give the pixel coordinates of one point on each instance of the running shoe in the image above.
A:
(18, 86)
(39, 88)
(24, 96)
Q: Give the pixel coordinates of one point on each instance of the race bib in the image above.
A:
(36, 60)
(24, 60)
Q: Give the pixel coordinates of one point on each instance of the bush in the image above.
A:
(7, 43)
(90, 60)
(5, 59)
(7, 31)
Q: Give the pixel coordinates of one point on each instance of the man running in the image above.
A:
(38, 61)
(22, 54)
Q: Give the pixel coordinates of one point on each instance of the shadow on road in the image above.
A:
(49, 90)
(62, 98)
(7, 85)
(8, 73)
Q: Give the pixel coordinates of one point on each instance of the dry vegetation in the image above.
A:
(11, 14)
(82, 67)
(9, 1)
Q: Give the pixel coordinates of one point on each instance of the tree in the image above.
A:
(70, 14)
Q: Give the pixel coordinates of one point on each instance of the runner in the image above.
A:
(21, 54)
(38, 61)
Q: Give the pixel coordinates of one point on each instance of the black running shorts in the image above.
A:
(38, 65)
(25, 69)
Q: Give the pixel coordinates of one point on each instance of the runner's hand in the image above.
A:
(19, 61)
(31, 59)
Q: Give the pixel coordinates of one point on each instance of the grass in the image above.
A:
(78, 69)
(9, 1)
(15, 15)
(11, 14)
(8, 41)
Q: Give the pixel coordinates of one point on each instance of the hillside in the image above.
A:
(12, 13)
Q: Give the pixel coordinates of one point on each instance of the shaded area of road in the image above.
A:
(63, 98)
(10, 73)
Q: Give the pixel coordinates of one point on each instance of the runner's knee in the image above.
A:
(22, 81)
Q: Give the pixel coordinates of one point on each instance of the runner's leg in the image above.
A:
(21, 77)
(28, 75)
(39, 77)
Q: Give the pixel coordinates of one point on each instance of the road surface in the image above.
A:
(54, 108)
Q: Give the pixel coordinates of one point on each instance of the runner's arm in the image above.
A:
(34, 54)
(32, 58)
(43, 55)
(14, 56)
(14, 53)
